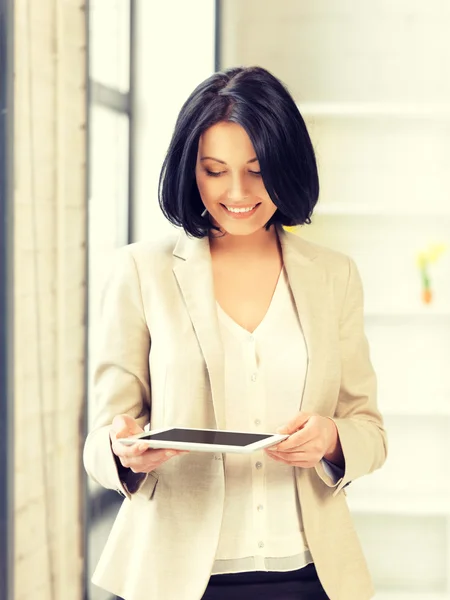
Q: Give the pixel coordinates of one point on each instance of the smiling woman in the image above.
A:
(243, 136)
(234, 324)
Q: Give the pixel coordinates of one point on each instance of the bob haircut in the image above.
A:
(255, 99)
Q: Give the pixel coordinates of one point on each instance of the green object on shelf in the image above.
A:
(424, 258)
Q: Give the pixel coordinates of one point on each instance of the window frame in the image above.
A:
(122, 103)
(6, 299)
(108, 97)
(218, 35)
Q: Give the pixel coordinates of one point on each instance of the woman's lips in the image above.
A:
(241, 215)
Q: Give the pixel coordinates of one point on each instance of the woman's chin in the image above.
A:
(239, 228)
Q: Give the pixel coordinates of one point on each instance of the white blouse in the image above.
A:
(265, 374)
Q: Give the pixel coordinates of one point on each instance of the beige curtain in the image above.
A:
(50, 281)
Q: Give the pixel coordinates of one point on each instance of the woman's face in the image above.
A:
(229, 180)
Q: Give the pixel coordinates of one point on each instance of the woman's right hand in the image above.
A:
(139, 457)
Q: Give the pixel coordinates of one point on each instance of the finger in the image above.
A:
(151, 460)
(148, 461)
(159, 455)
(276, 458)
(171, 452)
(296, 440)
(125, 426)
(115, 439)
(123, 451)
(136, 443)
(295, 424)
(295, 459)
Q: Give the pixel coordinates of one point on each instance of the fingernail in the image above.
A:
(170, 453)
(143, 447)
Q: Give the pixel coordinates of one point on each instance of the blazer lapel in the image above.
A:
(193, 271)
(308, 284)
(307, 279)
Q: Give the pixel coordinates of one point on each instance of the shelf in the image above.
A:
(371, 110)
(408, 313)
(400, 504)
(425, 412)
(355, 210)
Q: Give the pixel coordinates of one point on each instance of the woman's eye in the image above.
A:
(219, 173)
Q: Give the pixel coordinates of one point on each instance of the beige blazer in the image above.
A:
(160, 360)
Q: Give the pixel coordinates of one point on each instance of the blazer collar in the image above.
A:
(193, 271)
(188, 247)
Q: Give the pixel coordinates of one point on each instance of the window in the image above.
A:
(110, 120)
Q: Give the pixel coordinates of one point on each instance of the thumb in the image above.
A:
(295, 424)
(124, 426)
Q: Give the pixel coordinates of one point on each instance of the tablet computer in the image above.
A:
(205, 440)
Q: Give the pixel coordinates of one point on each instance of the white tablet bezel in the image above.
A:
(197, 447)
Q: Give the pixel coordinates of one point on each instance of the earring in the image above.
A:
(204, 213)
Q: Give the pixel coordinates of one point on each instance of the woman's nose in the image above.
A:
(237, 190)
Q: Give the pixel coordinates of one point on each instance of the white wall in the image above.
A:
(368, 78)
(175, 52)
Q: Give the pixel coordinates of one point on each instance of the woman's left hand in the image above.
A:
(311, 438)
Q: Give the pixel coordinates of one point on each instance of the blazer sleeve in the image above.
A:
(358, 420)
(121, 381)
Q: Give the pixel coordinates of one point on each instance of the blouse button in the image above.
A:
(254, 377)
(257, 422)
(260, 507)
(258, 465)
(260, 544)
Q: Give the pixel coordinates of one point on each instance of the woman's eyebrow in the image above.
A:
(222, 162)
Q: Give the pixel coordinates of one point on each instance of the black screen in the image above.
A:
(224, 438)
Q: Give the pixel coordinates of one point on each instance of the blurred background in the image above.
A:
(90, 91)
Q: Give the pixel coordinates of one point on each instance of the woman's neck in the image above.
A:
(261, 242)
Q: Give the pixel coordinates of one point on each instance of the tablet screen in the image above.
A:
(222, 438)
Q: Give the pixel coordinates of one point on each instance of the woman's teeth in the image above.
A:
(240, 210)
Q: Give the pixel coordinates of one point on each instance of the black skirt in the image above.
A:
(302, 584)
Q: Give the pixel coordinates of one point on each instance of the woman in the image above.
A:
(235, 324)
